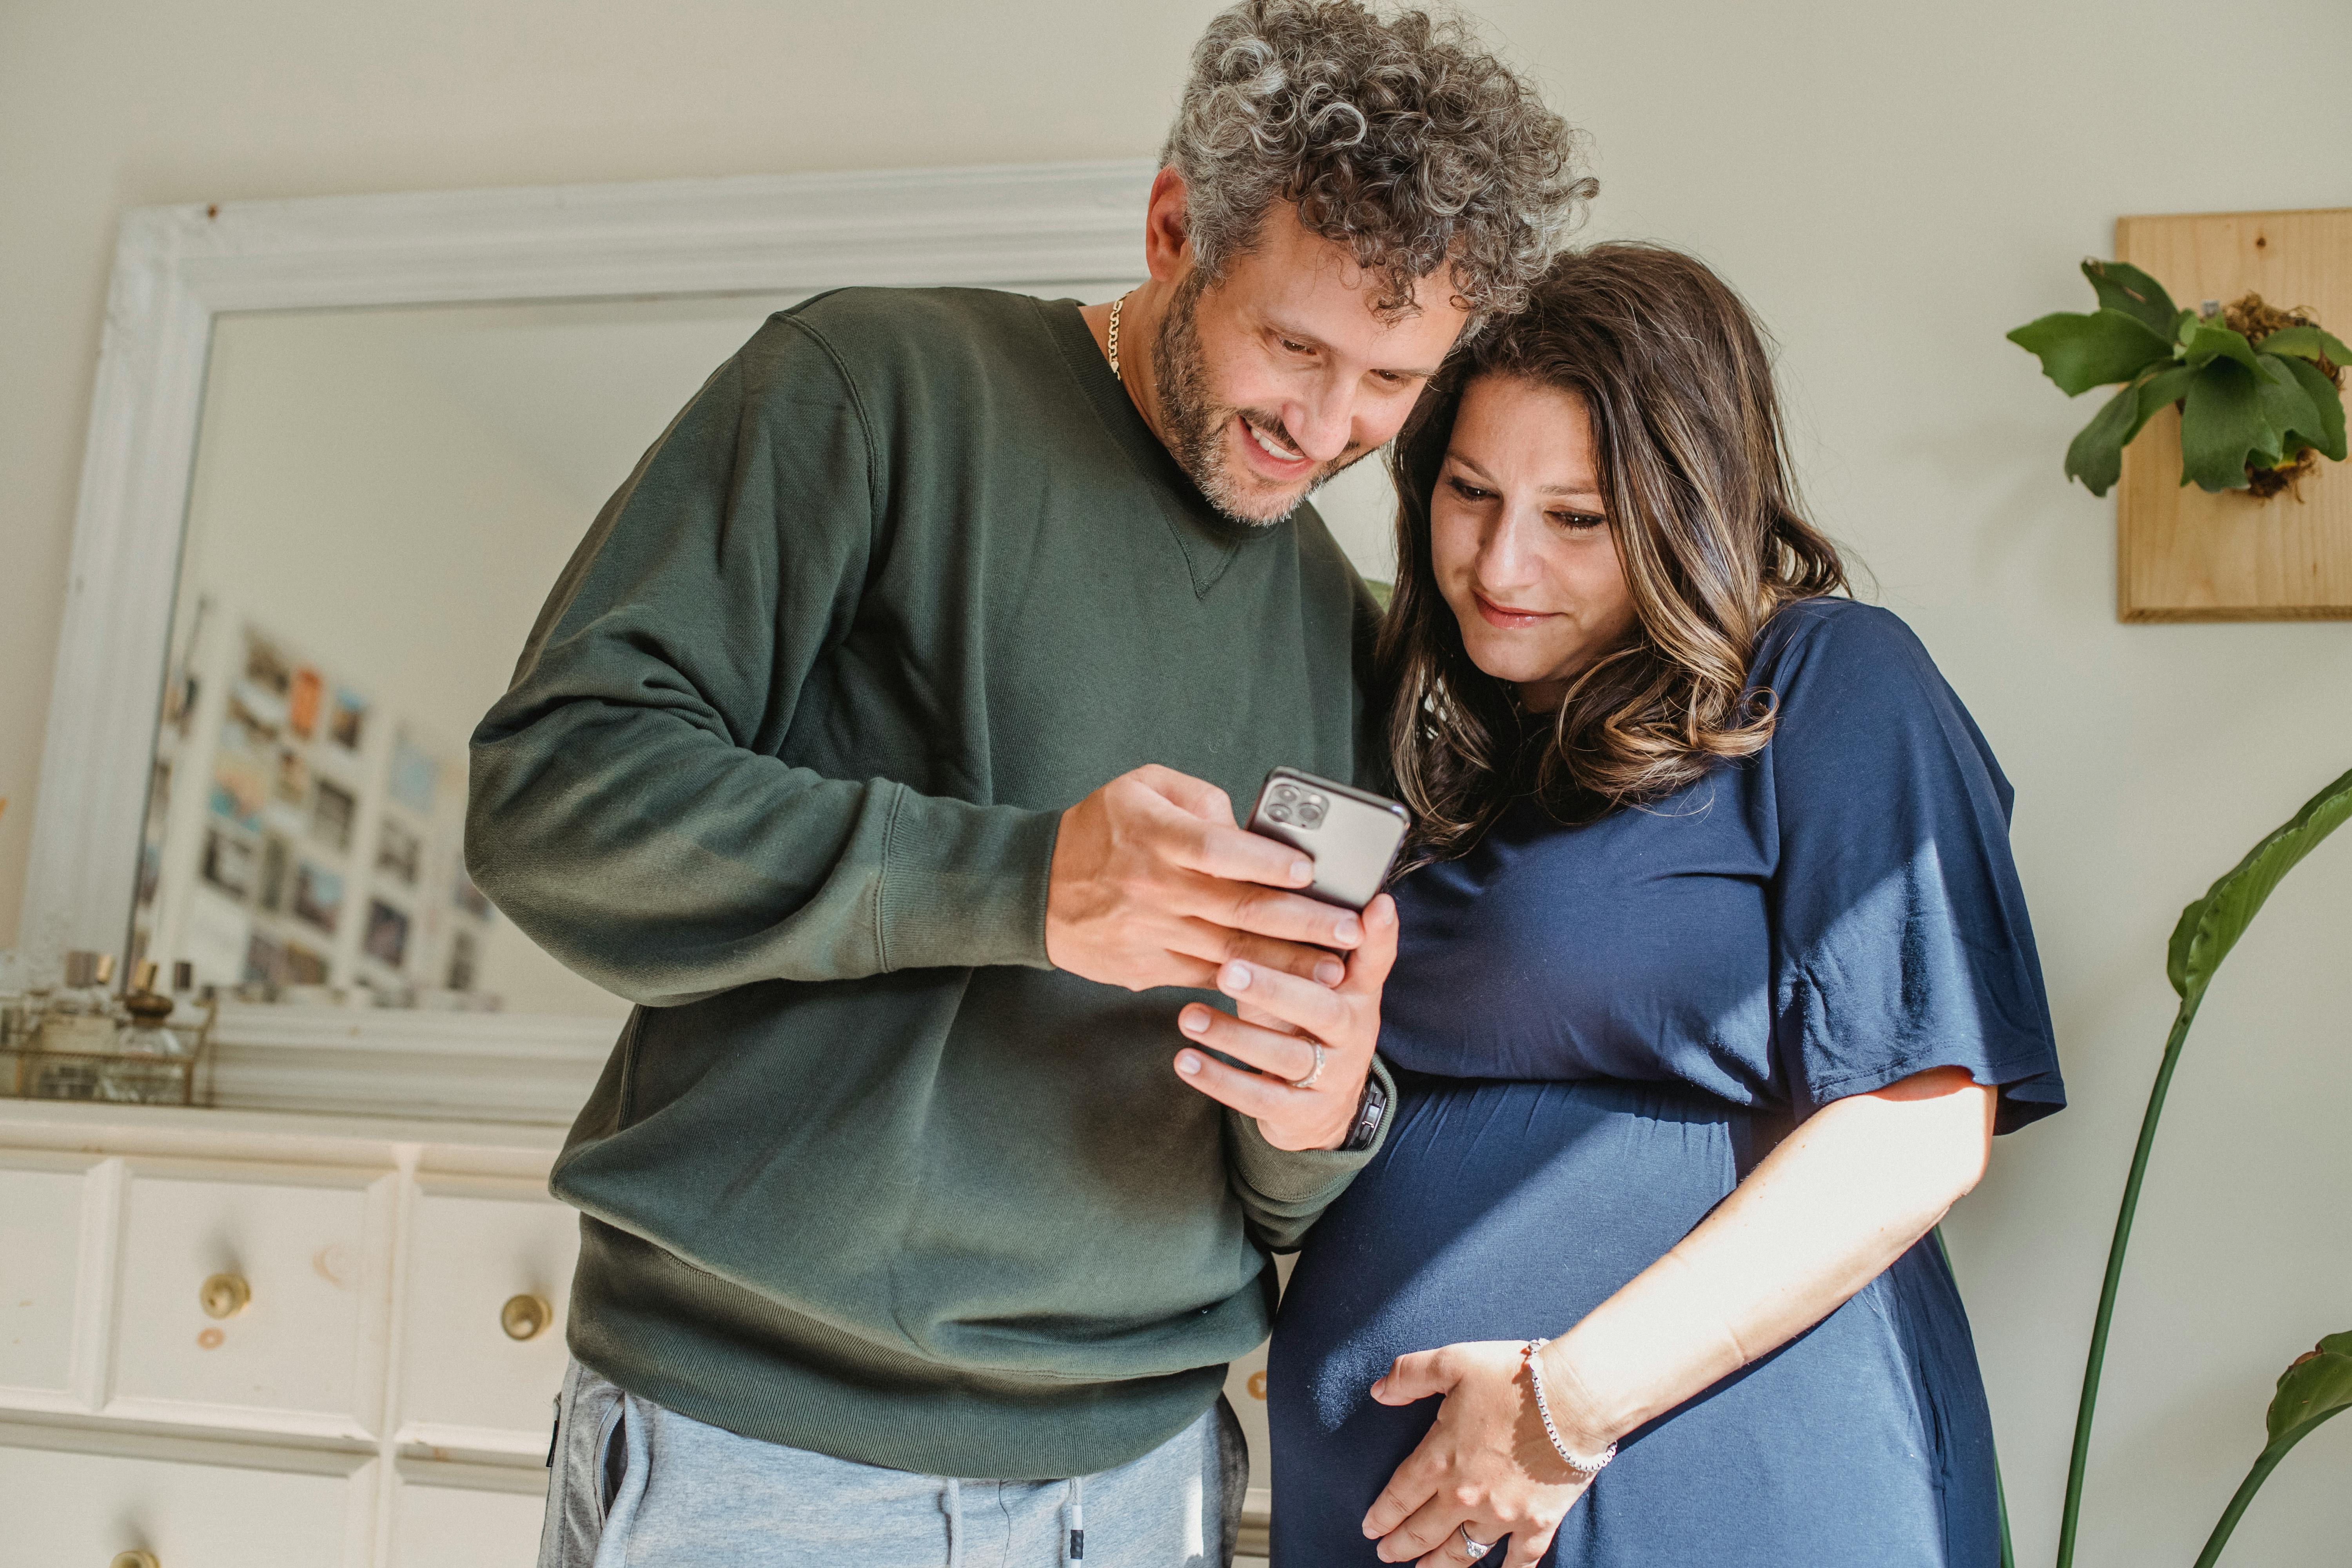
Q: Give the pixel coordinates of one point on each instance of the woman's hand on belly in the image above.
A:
(1485, 1463)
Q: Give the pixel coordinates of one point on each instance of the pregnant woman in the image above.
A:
(1716, 984)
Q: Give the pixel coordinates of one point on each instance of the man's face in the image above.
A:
(1279, 374)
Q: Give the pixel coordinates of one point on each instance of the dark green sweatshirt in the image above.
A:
(783, 764)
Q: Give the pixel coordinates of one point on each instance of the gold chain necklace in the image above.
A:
(1115, 305)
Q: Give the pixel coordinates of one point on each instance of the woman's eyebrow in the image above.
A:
(1592, 491)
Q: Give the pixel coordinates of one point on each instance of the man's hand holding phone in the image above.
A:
(1154, 883)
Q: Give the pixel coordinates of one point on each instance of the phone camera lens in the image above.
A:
(1284, 794)
(1310, 814)
(1279, 813)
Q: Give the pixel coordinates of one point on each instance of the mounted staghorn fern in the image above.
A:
(2257, 386)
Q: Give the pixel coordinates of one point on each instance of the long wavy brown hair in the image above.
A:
(1675, 376)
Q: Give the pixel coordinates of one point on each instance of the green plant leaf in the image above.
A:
(2307, 342)
(2123, 286)
(2212, 926)
(2327, 402)
(2209, 341)
(2095, 455)
(2221, 426)
(2165, 387)
(2080, 352)
(2316, 1386)
(2287, 408)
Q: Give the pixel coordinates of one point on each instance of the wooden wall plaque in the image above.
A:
(2182, 554)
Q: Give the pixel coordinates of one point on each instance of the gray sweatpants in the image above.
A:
(637, 1485)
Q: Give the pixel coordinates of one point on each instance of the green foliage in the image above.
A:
(2242, 403)
(2080, 352)
(2095, 455)
(2317, 1386)
(2121, 286)
(2212, 926)
(2307, 344)
(2327, 435)
(2222, 429)
(2202, 342)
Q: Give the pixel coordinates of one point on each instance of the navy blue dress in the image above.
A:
(1597, 1031)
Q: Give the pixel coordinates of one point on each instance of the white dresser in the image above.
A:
(382, 1394)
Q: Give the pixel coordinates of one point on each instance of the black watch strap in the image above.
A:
(1370, 1111)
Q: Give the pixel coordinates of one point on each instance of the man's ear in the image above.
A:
(1167, 228)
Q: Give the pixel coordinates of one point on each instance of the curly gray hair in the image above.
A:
(1399, 138)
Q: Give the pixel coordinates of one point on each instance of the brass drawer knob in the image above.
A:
(525, 1317)
(135, 1560)
(225, 1296)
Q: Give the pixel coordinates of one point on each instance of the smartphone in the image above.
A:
(1351, 834)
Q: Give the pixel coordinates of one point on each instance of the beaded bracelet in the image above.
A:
(1588, 1469)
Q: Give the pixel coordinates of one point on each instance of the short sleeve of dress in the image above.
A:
(1900, 936)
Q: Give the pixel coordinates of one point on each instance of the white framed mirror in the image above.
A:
(338, 450)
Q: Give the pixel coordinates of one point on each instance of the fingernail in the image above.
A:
(1193, 1020)
(1236, 977)
(1188, 1064)
(1302, 870)
(1330, 972)
(1351, 929)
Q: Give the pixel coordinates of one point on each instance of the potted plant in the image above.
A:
(2258, 387)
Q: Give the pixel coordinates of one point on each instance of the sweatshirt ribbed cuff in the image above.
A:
(964, 885)
(1304, 1179)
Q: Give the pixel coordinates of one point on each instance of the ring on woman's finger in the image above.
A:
(1312, 1073)
(1474, 1548)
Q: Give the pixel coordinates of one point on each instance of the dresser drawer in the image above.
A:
(488, 1280)
(253, 1297)
(467, 1516)
(68, 1509)
(44, 1219)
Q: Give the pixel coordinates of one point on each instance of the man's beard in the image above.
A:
(1194, 423)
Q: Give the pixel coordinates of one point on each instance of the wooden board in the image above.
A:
(2182, 554)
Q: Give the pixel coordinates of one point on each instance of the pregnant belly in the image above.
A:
(1498, 1210)
(1505, 1211)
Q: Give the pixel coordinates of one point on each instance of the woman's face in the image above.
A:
(1526, 559)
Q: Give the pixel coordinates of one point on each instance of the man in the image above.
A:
(902, 1186)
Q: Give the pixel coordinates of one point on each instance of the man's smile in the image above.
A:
(1270, 455)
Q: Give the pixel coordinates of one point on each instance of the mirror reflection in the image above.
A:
(382, 500)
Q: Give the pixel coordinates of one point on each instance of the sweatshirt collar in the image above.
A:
(1208, 538)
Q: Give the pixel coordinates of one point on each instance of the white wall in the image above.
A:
(1893, 185)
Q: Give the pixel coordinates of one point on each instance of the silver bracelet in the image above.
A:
(1588, 1469)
